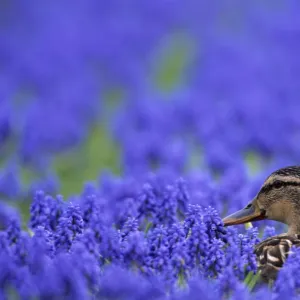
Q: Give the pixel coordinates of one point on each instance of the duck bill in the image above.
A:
(244, 215)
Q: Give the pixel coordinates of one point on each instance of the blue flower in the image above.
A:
(8, 275)
(176, 234)
(166, 210)
(122, 283)
(88, 239)
(13, 231)
(74, 215)
(90, 207)
(148, 201)
(88, 265)
(133, 250)
(130, 226)
(70, 280)
(49, 184)
(182, 194)
(215, 259)
(180, 261)
(229, 284)
(110, 246)
(269, 231)
(4, 243)
(39, 210)
(213, 222)
(70, 226)
(7, 213)
(21, 249)
(57, 208)
(198, 245)
(193, 216)
(288, 281)
(44, 241)
(5, 122)
(198, 287)
(158, 254)
(10, 182)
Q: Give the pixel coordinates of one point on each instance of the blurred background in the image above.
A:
(89, 88)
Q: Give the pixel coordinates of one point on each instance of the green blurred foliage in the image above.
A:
(172, 61)
(254, 162)
(75, 167)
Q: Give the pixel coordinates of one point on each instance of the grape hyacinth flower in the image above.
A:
(10, 182)
(166, 208)
(268, 232)
(39, 210)
(158, 254)
(198, 245)
(130, 226)
(90, 206)
(13, 231)
(79, 250)
(70, 225)
(288, 282)
(57, 208)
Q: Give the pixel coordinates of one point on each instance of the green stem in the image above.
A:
(149, 225)
(248, 278)
(253, 281)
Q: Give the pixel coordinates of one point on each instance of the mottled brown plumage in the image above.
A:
(272, 253)
(279, 200)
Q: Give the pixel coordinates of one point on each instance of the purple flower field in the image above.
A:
(128, 130)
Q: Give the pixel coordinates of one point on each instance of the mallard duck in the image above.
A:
(278, 200)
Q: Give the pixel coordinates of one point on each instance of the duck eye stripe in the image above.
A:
(276, 185)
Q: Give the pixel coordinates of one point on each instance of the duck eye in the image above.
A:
(248, 206)
(277, 184)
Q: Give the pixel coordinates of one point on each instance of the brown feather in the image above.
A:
(273, 252)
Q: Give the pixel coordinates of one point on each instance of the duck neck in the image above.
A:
(293, 230)
(294, 226)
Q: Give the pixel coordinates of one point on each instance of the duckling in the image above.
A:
(278, 200)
